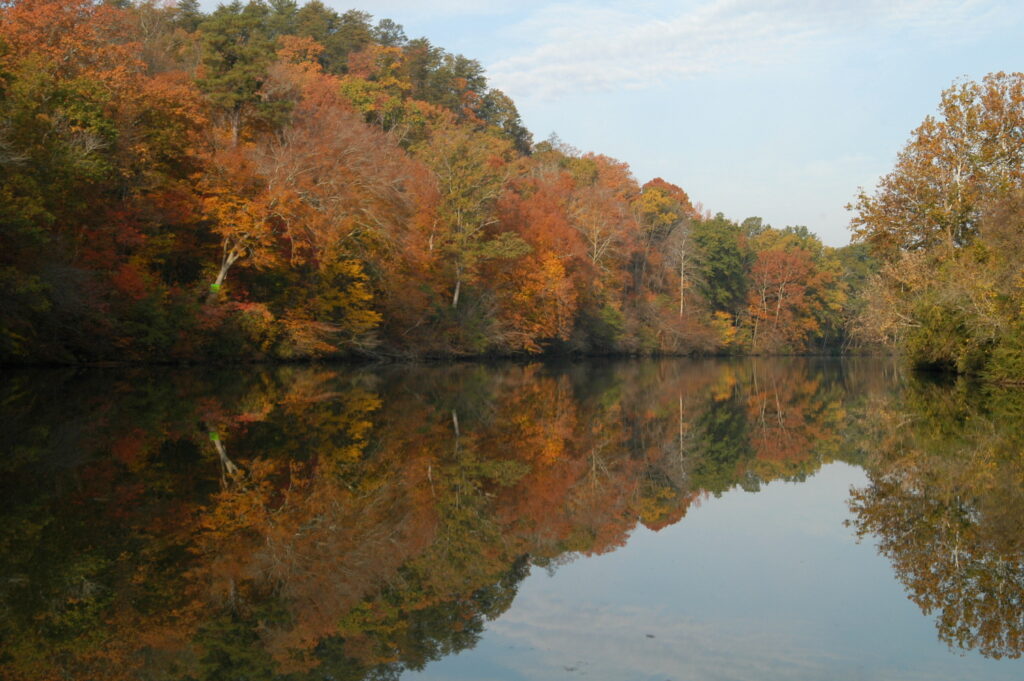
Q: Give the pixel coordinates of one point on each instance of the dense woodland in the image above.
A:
(276, 181)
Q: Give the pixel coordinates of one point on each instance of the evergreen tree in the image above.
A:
(188, 15)
(236, 54)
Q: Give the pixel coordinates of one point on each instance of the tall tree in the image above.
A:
(778, 299)
(188, 14)
(666, 215)
(471, 169)
(724, 261)
(389, 34)
(236, 53)
(972, 152)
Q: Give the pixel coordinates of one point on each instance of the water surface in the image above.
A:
(656, 520)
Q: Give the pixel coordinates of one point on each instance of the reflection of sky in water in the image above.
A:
(748, 586)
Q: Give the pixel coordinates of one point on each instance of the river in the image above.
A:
(658, 520)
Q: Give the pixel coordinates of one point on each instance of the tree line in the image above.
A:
(276, 181)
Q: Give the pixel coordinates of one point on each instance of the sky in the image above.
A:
(780, 109)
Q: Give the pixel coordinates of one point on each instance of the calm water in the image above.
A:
(644, 520)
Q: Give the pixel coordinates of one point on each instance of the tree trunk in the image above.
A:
(236, 126)
(458, 286)
(682, 277)
(231, 256)
(455, 296)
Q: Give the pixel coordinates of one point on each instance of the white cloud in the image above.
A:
(577, 46)
(403, 9)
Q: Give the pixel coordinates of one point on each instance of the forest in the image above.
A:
(276, 181)
(273, 181)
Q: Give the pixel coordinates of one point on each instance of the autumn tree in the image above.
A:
(237, 203)
(471, 169)
(344, 186)
(600, 208)
(777, 298)
(377, 86)
(797, 293)
(538, 293)
(938, 297)
(665, 212)
(953, 163)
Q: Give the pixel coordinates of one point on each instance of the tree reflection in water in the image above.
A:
(946, 503)
(305, 522)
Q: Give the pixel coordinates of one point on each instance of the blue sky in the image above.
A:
(774, 108)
